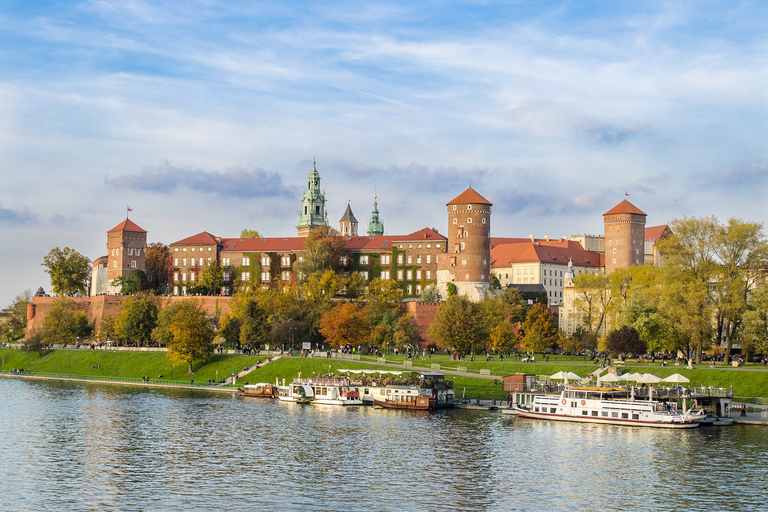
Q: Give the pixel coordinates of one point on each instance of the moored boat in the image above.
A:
(297, 392)
(415, 402)
(332, 391)
(590, 406)
(260, 390)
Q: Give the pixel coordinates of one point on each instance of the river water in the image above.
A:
(71, 446)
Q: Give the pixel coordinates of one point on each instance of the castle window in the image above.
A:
(264, 276)
(483, 220)
(400, 275)
(265, 261)
(386, 259)
(175, 276)
(317, 210)
(364, 274)
(418, 289)
(454, 207)
(418, 259)
(192, 249)
(285, 261)
(429, 274)
(184, 277)
(364, 260)
(410, 259)
(191, 276)
(399, 259)
(409, 275)
(192, 262)
(455, 221)
(175, 262)
(385, 274)
(225, 276)
(469, 220)
(184, 262)
(246, 261)
(175, 249)
(225, 262)
(462, 246)
(133, 264)
(286, 276)
(245, 276)
(418, 274)
(429, 258)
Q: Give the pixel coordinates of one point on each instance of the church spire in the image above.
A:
(312, 212)
(375, 226)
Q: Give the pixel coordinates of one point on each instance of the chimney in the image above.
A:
(531, 237)
(546, 238)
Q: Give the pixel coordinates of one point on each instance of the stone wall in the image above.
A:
(424, 314)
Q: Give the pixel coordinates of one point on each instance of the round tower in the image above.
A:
(467, 261)
(624, 236)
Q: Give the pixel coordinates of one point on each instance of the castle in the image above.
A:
(466, 258)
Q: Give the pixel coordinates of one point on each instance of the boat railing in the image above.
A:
(315, 381)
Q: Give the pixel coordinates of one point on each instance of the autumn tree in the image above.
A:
(345, 324)
(461, 325)
(354, 286)
(592, 300)
(322, 286)
(540, 331)
(754, 336)
(158, 267)
(251, 311)
(210, 281)
(249, 233)
(506, 310)
(185, 330)
(69, 271)
(137, 319)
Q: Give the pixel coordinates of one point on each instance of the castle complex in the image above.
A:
(466, 258)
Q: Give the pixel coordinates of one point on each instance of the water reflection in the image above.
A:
(83, 447)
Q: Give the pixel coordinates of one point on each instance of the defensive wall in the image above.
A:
(109, 305)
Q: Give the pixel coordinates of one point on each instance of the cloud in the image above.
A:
(610, 134)
(18, 215)
(240, 182)
(738, 177)
(415, 176)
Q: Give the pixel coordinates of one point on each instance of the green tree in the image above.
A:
(211, 280)
(63, 324)
(323, 250)
(593, 300)
(69, 271)
(185, 330)
(35, 343)
(355, 285)
(754, 336)
(625, 340)
(158, 267)
(540, 331)
(252, 309)
(452, 289)
(134, 283)
(16, 324)
(137, 319)
(322, 286)
(431, 294)
(406, 332)
(460, 325)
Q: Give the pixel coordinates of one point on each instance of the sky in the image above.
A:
(206, 115)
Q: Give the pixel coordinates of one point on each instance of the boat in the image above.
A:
(409, 384)
(297, 392)
(591, 406)
(332, 391)
(409, 399)
(261, 390)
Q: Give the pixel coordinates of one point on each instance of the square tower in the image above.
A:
(126, 251)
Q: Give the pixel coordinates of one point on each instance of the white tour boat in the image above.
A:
(590, 406)
(296, 392)
(330, 391)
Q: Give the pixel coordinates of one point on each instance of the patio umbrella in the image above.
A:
(651, 379)
(572, 376)
(677, 379)
(610, 377)
(558, 376)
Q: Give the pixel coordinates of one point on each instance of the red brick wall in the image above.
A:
(424, 314)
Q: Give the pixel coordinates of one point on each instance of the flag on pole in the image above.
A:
(625, 193)
(130, 209)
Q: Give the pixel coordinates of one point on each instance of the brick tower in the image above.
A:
(624, 236)
(126, 251)
(467, 261)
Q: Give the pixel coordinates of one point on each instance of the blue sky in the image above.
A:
(206, 115)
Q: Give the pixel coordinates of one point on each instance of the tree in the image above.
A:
(431, 294)
(451, 289)
(137, 319)
(593, 300)
(252, 309)
(323, 250)
(540, 331)
(625, 340)
(322, 286)
(35, 343)
(211, 280)
(461, 325)
(106, 328)
(406, 332)
(158, 267)
(754, 336)
(504, 337)
(69, 271)
(134, 283)
(345, 324)
(16, 324)
(249, 233)
(185, 330)
(63, 324)
(354, 285)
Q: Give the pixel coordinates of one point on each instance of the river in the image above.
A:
(72, 446)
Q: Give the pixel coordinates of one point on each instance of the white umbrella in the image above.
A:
(631, 376)
(610, 377)
(677, 378)
(572, 376)
(558, 376)
(649, 378)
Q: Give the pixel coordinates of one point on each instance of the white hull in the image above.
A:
(338, 401)
(610, 421)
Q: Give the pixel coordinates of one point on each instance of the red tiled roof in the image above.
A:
(469, 196)
(204, 238)
(624, 207)
(288, 244)
(554, 251)
(127, 225)
(656, 232)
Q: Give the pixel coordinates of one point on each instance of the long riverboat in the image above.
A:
(404, 384)
(332, 391)
(296, 392)
(591, 406)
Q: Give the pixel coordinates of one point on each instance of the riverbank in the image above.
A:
(472, 379)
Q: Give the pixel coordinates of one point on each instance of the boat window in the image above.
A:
(625, 415)
(584, 413)
(536, 409)
(614, 415)
(605, 414)
(635, 416)
(594, 413)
